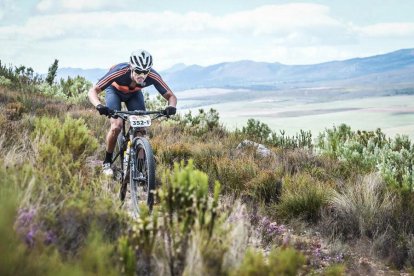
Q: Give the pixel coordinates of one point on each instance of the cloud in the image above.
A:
(68, 6)
(287, 21)
(390, 30)
(95, 34)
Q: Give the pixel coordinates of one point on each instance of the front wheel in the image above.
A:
(142, 174)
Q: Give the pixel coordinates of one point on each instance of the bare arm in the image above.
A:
(171, 98)
(93, 95)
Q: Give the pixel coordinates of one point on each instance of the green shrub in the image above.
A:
(279, 262)
(302, 197)
(262, 133)
(157, 103)
(254, 263)
(235, 173)
(5, 82)
(334, 270)
(62, 148)
(285, 261)
(365, 152)
(201, 123)
(136, 248)
(266, 187)
(396, 161)
(185, 206)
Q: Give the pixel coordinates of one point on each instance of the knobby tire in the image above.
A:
(142, 174)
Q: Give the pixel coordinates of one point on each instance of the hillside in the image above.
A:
(396, 68)
(332, 203)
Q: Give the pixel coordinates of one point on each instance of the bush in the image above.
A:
(185, 207)
(235, 173)
(360, 209)
(262, 133)
(201, 123)
(303, 197)
(257, 131)
(266, 187)
(280, 262)
(62, 148)
(365, 152)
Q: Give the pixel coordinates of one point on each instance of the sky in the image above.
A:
(100, 33)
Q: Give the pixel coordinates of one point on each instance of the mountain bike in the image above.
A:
(133, 151)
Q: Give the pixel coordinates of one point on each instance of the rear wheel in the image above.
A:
(142, 174)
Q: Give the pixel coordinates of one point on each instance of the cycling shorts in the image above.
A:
(133, 101)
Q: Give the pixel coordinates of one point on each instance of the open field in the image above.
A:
(308, 111)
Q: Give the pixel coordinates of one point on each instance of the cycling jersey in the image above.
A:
(119, 76)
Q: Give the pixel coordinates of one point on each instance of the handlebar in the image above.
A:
(124, 114)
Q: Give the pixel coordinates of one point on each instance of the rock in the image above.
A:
(260, 149)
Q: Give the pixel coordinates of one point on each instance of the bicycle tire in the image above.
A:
(142, 174)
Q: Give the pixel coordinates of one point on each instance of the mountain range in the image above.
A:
(395, 69)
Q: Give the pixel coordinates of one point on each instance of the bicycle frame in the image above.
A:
(139, 174)
(130, 135)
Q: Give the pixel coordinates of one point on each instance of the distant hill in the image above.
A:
(391, 68)
(90, 74)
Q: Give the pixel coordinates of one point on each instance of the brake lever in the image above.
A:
(159, 116)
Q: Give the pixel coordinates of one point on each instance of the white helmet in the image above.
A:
(141, 60)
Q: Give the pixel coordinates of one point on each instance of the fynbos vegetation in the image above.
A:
(222, 208)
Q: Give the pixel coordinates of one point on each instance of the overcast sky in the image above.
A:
(100, 33)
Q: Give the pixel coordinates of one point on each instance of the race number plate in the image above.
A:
(140, 121)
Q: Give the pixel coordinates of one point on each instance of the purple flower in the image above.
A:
(30, 237)
(50, 237)
(25, 218)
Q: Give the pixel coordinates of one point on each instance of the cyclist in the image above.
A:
(124, 83)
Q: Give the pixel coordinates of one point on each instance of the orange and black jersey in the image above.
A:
(119, 76)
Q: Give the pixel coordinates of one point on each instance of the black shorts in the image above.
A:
(133, 101)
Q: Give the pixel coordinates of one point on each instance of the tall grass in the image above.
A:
(363, 208)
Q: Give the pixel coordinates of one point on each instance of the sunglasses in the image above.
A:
(139, 72)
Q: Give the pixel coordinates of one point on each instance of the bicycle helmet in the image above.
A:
(141, 60)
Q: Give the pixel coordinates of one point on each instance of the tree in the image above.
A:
(51, 74)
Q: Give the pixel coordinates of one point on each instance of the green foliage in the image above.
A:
(157, 103)
(396, 162)
(51, 73)
(235, 173)
(76, 90)
(334, 270)
(262, 133)
(280, 262)
(138, 244)
(303, 139)
(127, 256)
(285, 261)
(265, 187)
(62, 148)
(73, 90)
(302, 197)
(97, 256)
(185, 206)
(21, 77)
(257, 131)
(367, 151)
(5, 82)
(38, 256)
(201, 123)
(254, 263)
